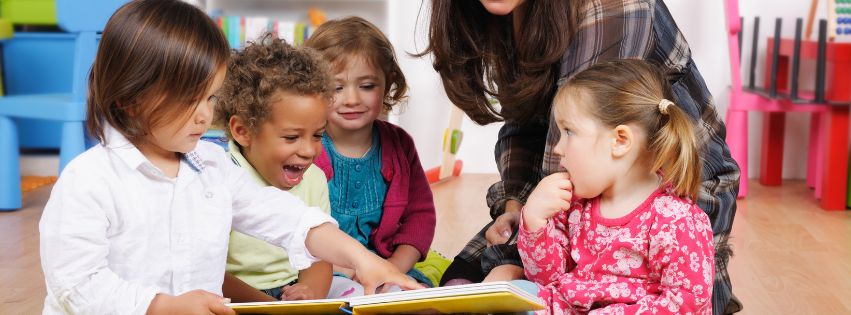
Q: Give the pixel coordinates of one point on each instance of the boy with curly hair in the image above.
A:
(273, 107)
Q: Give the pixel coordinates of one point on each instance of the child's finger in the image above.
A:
(217, 306)
(565, 195)
(407, 283)
(564, 184)
(369, 288)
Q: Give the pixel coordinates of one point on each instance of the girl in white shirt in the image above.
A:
(139, 223)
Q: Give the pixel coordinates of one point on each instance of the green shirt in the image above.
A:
(260, 264)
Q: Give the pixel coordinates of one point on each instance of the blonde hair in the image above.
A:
(635, 91)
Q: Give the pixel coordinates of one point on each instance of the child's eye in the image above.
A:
(368, 86)
(338, 88)
(318, 136)
(213, 99)
(568, 132)
(290, 138)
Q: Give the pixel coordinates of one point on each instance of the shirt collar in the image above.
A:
(123, 148)
(240, 160)
(130, 154)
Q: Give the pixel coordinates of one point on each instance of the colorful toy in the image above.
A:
(452, 137)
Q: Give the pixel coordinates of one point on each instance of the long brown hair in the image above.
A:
(630, 91)
(353, 36)
(155, 61)
(477, 55)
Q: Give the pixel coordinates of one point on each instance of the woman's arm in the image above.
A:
(518, 154)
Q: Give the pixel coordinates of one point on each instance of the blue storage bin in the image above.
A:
(35, 63)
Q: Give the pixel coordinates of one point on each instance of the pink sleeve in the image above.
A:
(545, 252)
(682, 253)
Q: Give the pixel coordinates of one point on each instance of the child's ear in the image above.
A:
(623, 139)
(239, 131)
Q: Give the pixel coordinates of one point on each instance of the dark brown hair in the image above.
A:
(264, 68)
(354, 36)
(630, 91)
(155, 61)
(477, 55)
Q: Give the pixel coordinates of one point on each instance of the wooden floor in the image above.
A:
(791, 256)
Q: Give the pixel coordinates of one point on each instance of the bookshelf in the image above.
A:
(292, 12)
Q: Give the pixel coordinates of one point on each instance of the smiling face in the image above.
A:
(182, 135)
(285, 144)
(358, 95)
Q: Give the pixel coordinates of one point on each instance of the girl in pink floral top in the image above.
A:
(618, 233)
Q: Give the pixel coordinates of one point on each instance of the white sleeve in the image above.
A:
(74, 249)
(273, 215)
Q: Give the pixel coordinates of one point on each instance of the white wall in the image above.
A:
(702, 22)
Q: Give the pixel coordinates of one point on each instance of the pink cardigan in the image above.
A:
(408, 216)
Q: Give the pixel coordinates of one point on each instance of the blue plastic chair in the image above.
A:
(85, 22)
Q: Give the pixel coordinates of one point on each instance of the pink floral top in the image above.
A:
(658, 259)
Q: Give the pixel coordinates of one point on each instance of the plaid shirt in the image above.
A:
(619, 29)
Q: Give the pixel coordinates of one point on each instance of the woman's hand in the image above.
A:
(504, 225)
(552, 195)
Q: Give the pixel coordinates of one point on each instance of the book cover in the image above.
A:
(491, 297)
(327, 306)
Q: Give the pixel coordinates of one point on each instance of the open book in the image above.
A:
(491, 297)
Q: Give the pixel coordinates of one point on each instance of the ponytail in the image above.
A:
(676, 150)
(629, 91)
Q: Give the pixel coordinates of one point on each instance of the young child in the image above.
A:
(379, 192)
(273, 106)
(620, 234)
(139, 223)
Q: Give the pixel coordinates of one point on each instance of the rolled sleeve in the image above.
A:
(300, 257)
(274, 215)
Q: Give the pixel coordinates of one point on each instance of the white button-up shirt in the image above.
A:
(116, 231)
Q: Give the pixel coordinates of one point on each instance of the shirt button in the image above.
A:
(358, 185)
(357, 168)
(355, 204)
(208, 194)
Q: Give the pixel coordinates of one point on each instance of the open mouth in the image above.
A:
(293, 174)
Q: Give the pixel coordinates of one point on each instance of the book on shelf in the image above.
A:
(490, 297)
(241, 29)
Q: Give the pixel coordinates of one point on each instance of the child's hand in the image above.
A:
(299, 291)
(192, 302)
(552, 195)
(373, 272)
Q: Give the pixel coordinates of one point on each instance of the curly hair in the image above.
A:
(262, 69)
(354, 36)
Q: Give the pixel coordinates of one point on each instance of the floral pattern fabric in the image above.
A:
(658, 259)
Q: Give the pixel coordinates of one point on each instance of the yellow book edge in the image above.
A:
(473, 298)
(501, 302)
(329, 306)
